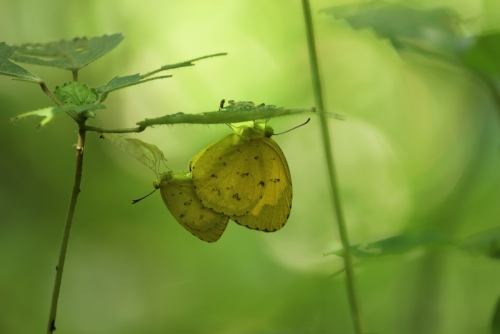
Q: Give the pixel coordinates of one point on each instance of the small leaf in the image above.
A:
(485, 243)
(484, 55)
(147, 154)
(71, 55)
(436, 30)
(135, 79)
(9, 68)
(89, 114)
(189, 62)
(49, 113)
(398, 244)
(76, 93)
(126, 81)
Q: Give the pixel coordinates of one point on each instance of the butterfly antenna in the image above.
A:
(140, 199)
(298, 126)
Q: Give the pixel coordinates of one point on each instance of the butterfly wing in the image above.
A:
(179, 195)
(228, 175)
(272, 211)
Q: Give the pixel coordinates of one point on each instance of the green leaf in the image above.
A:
(495, 321)
(49, 113)
(125, 81)
(190, 62)
(71, 55)
(484, 55)
(147, 154)
(235, 112)
(398, 244)
(9, 68)
(485, 243)
(135, 79)
(76, 93)
(435, 30)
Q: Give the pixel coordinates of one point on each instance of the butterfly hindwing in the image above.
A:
(178, 194)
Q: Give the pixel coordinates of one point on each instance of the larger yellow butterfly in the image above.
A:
(245, 176)
(179, 196)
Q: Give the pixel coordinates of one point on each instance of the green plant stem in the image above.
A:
(67, 228)
(105, 130)
(47, 91)
(334, 184)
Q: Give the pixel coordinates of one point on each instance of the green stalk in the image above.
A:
(47, 91)
(51, 327)
(334, 184)
(106, 130)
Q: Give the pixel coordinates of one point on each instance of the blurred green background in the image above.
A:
(419, 151)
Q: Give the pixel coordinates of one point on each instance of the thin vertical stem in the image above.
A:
(51, 327)
(334, 184)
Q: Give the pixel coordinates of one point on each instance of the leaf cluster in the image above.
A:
(74, 98)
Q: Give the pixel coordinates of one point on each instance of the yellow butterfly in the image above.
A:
(178, 194)
(176, 189)
(245, 176)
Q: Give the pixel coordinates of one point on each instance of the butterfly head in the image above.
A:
(268, 131)
(162, 179)
(255, 131)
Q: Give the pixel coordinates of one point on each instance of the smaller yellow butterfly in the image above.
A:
(178, 194)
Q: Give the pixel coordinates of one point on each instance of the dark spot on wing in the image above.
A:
(261, 183)
(245, 174)
(188, 202)
(237, 197)
(214, 176)
(256, 157)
